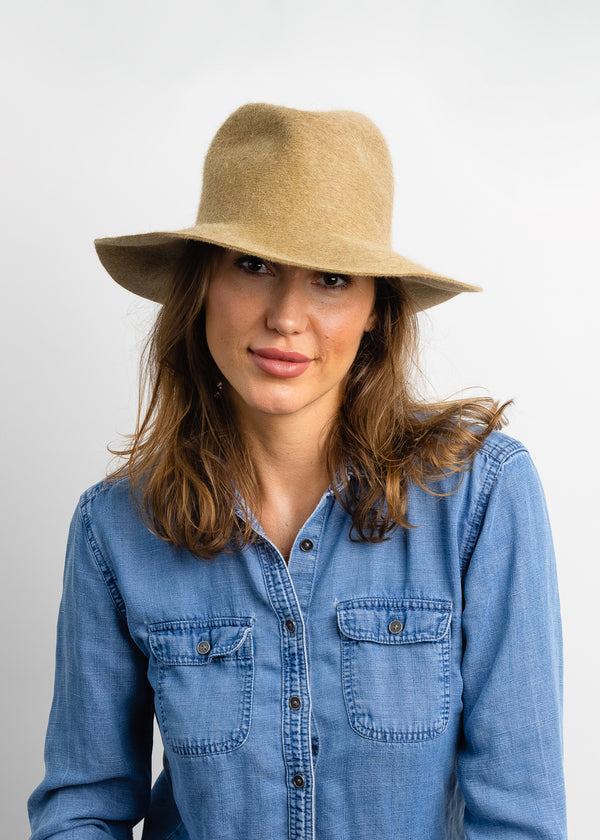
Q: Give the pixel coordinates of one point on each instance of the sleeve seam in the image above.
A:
(100, 562)
(479, 508)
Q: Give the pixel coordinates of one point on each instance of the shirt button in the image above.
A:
(298, 780)
(203, 647)
(290, 625)
(307, 545)
(395, 626)
(295, 703)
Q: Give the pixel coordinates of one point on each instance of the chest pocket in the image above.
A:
(396, 667)
(203, 672)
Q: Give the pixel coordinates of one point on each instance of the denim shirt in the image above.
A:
(405, 689)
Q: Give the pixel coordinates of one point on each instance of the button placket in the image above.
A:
(296, 706)
(297, 736)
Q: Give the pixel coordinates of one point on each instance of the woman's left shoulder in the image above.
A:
(500, 447)
(503, 472)
(502, 468)
(502, 458)
(499, 459)
(501, 498)
(501, 455)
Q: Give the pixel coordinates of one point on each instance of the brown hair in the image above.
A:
(189, 468)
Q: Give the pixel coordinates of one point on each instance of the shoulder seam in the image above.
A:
(103, 567)
(93, 491)
(500, 455)
(501, 452)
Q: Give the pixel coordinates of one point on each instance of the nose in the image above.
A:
(287, 311)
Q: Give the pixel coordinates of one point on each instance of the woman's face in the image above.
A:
(283, 337)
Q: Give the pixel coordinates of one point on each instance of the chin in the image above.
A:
(278, 401)
(275, 409)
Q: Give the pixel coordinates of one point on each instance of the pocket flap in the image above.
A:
(394, 621)
(197, 642)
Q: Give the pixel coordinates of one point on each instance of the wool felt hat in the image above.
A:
(306, 188)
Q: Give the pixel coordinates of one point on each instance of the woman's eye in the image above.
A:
(254, 265)
(335, 281)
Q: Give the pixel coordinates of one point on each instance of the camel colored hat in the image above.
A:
(307, 188)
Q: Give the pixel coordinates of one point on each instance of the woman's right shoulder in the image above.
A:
(109, 502)
(110, 520)
(107, 491)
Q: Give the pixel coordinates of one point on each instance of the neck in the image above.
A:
(288, 454)
(289, 457)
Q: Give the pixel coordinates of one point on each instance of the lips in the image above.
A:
(280, 355)
(281, 363)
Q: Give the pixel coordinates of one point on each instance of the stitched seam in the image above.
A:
(475, 519)
(165, 630)
(409, 605)
(405, 735)
(100, 562)
(502, 451)
(189, 747)
(350, 678)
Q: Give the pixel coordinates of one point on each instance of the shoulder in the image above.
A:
(109, 520)
(498, 455)
(502, 484)
(499, 447)
(501, 460)
(107, 498)
(110, 514)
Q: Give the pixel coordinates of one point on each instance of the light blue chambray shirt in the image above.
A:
(408, 689)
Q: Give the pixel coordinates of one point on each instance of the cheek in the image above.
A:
(231, 309)
(211, 325)
(217, 328)
(223, 314)
(341, 346)
(346, 332)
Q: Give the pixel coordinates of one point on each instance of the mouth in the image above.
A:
(279, 355)
(280, 363)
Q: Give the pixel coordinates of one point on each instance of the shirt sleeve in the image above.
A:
(99, 738)
(510, 759)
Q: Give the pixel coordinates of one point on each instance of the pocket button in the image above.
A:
(203, 648)
(395, 626)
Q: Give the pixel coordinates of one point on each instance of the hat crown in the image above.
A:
(305, 188)
(273, 169)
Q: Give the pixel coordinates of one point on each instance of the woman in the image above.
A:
(339, 601)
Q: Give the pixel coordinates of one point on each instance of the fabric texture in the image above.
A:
(410, 688)
(306, 188)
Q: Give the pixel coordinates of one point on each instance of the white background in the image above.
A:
(491, 113)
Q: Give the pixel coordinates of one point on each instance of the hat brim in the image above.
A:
(144, 263)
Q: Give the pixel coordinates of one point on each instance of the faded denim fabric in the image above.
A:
(407, 689)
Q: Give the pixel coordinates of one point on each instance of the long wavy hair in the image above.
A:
(189, 469)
